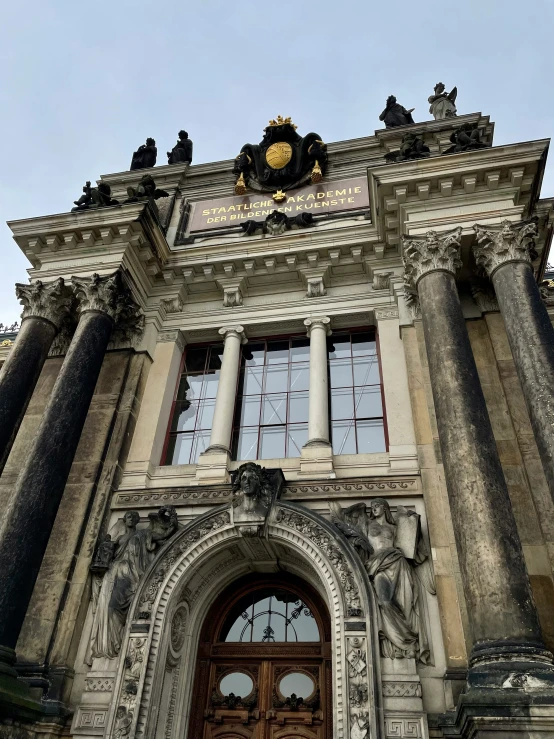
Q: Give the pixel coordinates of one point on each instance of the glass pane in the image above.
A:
(366, 371)
(368, 401)
(252, 382)
(253, 354)
(300, 376)
(184, 416)
(298, 683)
(199, 445)
(261, 621)
(178, 451)
(191, 387)
(274, 409)
(276, 379)
(247, 445)
(342, 403)
(249, 410)
(297, 436)
(305, 626)
(195, 359)
(363, 344)
(206, 414)
(300, 350)
(371, 436)
(216, 357)
(272, 442)
(277, 352)
(344, 439)
(237, 683)
(340, 371)
(298, 407)
(211, 381)
(238, 632)
(338, 346)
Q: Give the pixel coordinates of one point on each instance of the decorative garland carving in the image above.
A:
(401, 689)
(322, 540)
(206, 526)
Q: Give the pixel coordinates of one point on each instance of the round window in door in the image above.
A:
(264, 663)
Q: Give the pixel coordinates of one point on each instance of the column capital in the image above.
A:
(237, 331)
(508, 242)
(432, 252)
(51, 301)
(110, 295)
(323, 321)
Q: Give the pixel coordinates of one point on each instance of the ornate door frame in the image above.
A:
(163, 628)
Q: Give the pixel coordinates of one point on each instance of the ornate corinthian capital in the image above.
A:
(433, 252)
(110, 295)
(51, 301)
(509, 242)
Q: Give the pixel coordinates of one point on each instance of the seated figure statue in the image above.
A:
(182, 151)
(395, 114)
(145, 155)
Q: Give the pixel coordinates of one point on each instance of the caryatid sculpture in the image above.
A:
(395, 114)
(182, 151)
(397, 562)
(443, 104)
(145, 156)
(124, 561)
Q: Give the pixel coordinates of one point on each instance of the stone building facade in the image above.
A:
(285, 474)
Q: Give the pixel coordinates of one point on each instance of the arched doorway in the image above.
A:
(264, 663)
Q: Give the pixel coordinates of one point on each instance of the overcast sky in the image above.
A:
(84, 83)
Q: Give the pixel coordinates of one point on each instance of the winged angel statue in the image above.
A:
(396, 559)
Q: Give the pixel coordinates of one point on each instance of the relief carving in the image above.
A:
(123, 562)
(397, 562)
(256, 490)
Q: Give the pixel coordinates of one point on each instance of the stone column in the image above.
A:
(318, 417)
(502, 615)
(504, 253)
(44, 307)
(222, 424)
(29, 517)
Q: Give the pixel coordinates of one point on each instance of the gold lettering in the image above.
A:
(291, 199)
(230, 208)
(350, 200)
(341, 200)
(340, 192)
(320, 195)
(206, 212)
(311, 205)
(317, 205)
(210, 220)
(334, 202)
(325, 204)
(288, 210)
(300, 198)
(233, 218)
(329, 194)
(311, 196)
(357, 189)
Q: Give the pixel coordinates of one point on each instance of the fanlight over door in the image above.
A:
(264, 668)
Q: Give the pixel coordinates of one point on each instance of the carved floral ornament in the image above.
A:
(508, 242)
(432, 252)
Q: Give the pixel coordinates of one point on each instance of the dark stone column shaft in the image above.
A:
(19, 376)
(531, 338)
(500, 605)
(30, 516)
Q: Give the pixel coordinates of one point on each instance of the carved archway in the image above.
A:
(201, 560)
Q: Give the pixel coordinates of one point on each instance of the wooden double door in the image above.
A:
(264, 667)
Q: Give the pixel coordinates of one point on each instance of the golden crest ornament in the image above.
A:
(278, 155)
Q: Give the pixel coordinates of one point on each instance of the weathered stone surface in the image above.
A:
(495, 580)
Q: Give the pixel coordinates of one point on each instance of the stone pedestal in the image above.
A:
(44, 307)
(29, 518)
(502, 615)
(503, 251)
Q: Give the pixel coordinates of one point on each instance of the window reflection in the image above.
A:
(194, 405)
(271, 418)
(355, 392)
(270, 616)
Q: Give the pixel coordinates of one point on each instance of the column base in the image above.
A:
(16, 701)
(213, 466)
(316, 460)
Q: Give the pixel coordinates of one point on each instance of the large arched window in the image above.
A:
(264, 662)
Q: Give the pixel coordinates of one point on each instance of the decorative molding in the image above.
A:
(173, 305)
(99, 684)
(322, 540)
(383, 314)
(189, 495)
(404, 727)
(237, 331)
(178, 628)
(430, 253)
(175, 336)
(484, 295)
(509, 242)
(353, 486)
(52, 301)
(401, 689)
(90, 720)
(315, 287)
(381, 280)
